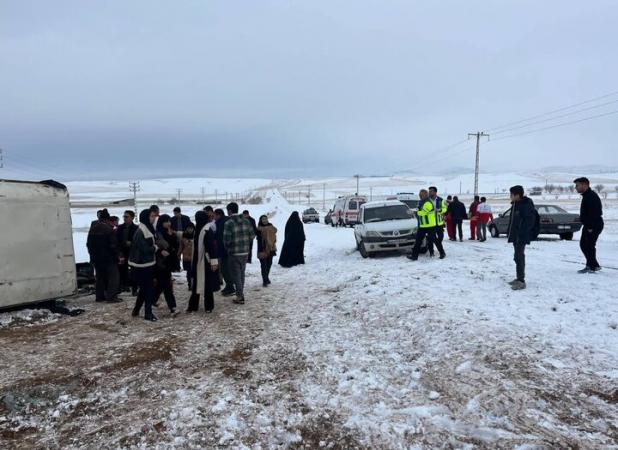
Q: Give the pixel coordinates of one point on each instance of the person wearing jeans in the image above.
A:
(521, 230)
(238, 238)
(485, 216)
(591, 216)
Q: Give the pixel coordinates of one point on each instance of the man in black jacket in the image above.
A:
(457, 210)
(521, 229)
(591, 215)
(220, 219)
(124, 237)
(103, 250)
(180, 222)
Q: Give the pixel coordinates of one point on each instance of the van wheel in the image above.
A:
(493, 230)
(566, 236)
(361, 249)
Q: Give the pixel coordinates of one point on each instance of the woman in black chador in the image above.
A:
(205, 264)
(293, 251)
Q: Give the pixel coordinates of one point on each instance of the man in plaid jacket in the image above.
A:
(238, 236)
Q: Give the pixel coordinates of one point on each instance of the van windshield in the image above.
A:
(355, 204)
(395, 212)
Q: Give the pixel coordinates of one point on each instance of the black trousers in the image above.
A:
(225, 273)
(588, 245)
(430, 234)
(209, 301)
(187, 266)
(126, 276)
(519, 257)
(437, 238)
(146, 295)
(107, 281)
(458, 224)
(165, 286)
(266, 264)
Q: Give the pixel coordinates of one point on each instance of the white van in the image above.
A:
(36, 247)
(345, 211)
(385, 226)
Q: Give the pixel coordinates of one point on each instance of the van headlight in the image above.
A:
(373, 234)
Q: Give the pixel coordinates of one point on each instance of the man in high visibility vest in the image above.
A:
(427, 226)
(440, 209)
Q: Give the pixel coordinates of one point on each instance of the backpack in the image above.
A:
(537, 226)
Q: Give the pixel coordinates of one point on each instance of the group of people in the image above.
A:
(434, 214)
(213, 250)
(480, 214)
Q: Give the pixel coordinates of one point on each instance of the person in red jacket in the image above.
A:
(450, 224)
(485, 216)
(474, 217)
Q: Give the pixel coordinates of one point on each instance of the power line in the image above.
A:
(557, 125)
(564, 108)
(572, 113)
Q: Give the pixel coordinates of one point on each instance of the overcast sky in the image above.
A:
(300, 87)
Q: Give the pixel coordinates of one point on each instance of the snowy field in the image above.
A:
(340, 353)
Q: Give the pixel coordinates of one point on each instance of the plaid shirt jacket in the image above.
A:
(238, 235)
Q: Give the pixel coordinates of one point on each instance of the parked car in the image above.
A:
(328, 218)
(310, 215)
(345, 211)
(554, 220)
(385, 226)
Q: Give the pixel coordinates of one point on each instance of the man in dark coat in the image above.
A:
(591, 216)
(251, 220)
(457, 210)
(124, 237)
(521, 230)
(224, 264)
(293, 250)
(103, 250)
(180, 222)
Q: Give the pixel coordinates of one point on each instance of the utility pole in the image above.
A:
(309, 196)
(134, 187)
(370, 193)
(324, 196)
(203, 194)
(299, 202)
(479, 135)
(178, 192)
(216, 195)
(1, 159)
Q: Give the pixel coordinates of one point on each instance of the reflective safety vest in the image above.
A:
(427, 217)
(441, 207)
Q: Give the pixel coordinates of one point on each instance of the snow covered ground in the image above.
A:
(340, 353)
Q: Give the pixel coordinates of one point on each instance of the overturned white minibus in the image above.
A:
(37, 261)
